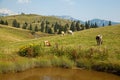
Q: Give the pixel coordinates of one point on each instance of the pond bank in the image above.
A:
(18, 64)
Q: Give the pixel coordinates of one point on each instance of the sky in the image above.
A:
(79, 9)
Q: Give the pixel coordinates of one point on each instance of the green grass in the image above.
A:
(78, 50)
(33, 19)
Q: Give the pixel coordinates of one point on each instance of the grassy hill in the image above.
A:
(33, 19)
(10, 34)
(82, 44)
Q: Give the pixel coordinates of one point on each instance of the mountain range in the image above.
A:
(5, 14)
(93, 21)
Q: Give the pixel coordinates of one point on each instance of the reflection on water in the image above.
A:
(58, 74)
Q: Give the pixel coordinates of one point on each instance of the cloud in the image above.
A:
(7, 11)
(70, 2)
(24, 1)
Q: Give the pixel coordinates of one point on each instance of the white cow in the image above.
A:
(63, 33)
(70, 32)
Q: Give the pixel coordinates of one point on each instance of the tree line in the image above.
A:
(3, 22)
(53, 28)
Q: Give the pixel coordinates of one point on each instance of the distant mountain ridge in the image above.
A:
(70, 18)
(99, 22)
(3, 14)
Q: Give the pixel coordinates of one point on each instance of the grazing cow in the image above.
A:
(70, 32)
(62, 32)
(47, 43)
(99, 39)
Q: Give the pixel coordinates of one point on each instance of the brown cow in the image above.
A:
(47, 43)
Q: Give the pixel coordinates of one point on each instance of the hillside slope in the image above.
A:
(10, 34)
(85, 38)
(78, 50)
(33, 19)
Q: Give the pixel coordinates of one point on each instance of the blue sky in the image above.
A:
(80, 9)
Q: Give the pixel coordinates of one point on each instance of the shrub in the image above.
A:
(6, 67)
(31, 50)
(66, 63)
(42, 62)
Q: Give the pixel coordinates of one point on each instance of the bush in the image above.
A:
(31, 50)
(6, 67)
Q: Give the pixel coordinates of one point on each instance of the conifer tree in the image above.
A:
(95, 25)
(36, 28)
(78, 25)
(42, 26)
(18, 25)
(66, 27)
(82, 26)
(46, 29)
(6, 23)
(92, 25)
(109, 24)
(72, 27)
(60, 29)
(103, 24)
(30, 27)
(1, 21)
(15, 24)
(50, 31)
(24, 25)
(56, 27)
(87, 24)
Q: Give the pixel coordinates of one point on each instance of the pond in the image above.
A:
(58, 74)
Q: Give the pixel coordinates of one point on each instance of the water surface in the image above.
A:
(58, 74)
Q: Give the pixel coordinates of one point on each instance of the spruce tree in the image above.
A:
(24, 26)
(30, 27)
(56, 27)
(103, 24)
(78, 25)
(87, 24)
(109, 24)
(26, 23)
(6, 23)
(2, 22)
(50, 31)
(95, 25)
(18, 25)
(66, 27)
(72, 27)
(82, 26)
(46, 28)
(14, 23)
(92, 25)
(36, 28)
(42, 26)
(60, 29)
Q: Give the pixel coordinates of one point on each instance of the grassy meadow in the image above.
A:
(69, 51)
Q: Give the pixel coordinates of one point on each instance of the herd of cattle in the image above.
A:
(98, 38)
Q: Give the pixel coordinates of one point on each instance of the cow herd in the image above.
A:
(98, 38)
(69, 32)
